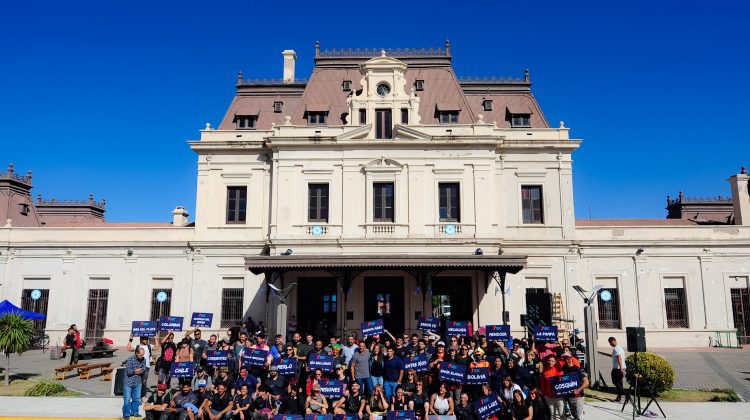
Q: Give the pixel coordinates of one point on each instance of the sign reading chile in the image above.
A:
(201, 319)
(371, 328)
(452, 372)
(487, 406)
(182, 369)
(545, 333)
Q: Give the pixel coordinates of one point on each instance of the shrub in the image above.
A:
(45, 388)
(656, 374)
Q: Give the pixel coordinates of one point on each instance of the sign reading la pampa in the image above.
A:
(170, 323)
(201, 319)
(371, 328)
(545, 333)
(144, 328)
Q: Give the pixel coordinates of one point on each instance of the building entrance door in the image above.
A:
(451, 299)
(741, 312)
(317, 306)
(384, 298)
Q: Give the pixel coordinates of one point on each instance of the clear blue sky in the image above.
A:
(101, 96)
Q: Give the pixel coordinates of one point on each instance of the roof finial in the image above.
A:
(527, 76)
(682, 197)
(91, 198)
(39, 198)
(382, 53)
(239, 77)
(447, 47)
(743, 170)
(317, 48)
(10, 168)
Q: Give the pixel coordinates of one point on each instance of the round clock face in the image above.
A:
(382, 89)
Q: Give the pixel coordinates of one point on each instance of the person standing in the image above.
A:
(349, 349)
(146, 356)
(360, 367)
(555, 403)
(73, 342)
(576, 399)
(135, 366)
(618, 367)
(393, 374)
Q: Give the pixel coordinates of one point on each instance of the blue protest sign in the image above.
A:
(417, 362)
(428, 323)
(331, 388)
(320, 361)
(289, 416)
(455, 328)
(478, 376)
(201, 319)
(452, 372)
(487, 406)
(217, 357)
(344, 417)
(545, 333)
(565, 384)
(401, 415)
(182, 369)
(170, 323)
(371, 328)
(286, 366)
(144, 328)
(316, 417)
(499, 333)
(254, 357)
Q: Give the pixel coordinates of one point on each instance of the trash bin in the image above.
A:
(119, 381)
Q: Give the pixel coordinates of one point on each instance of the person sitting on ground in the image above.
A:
(242, 404)
(291, 402)
(224, 379)
(520, 408)
(400, 401)
(352, 403)
(182, 404)
(316, 403)
(218, 406)
(245, 378)
(201, 393)
(157, 403)
(263, 404)
(202, 375)
(378, 404)
(276, 383)
(421, 401)
(464, 410)
(539, 404)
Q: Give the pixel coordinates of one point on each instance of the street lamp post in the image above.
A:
(590, 324)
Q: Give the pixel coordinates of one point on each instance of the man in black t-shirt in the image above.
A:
(157, 403)
(292, 403)
(576, 399)
(352, 403)
(219, 405)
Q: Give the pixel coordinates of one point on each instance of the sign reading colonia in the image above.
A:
(170, 323)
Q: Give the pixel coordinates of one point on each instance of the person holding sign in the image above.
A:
(576, 399)
(555, 403)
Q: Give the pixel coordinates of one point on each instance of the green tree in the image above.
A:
(15, 337)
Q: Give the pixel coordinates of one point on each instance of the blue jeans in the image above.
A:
(131, 396)
(375, 380)
(390, 389)
(225, 416)
(364, 385)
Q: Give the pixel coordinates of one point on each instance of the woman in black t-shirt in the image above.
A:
(420, 400)
(410, 385)
(521, 410)
(539, 404)
(377, 366)
(400, 401)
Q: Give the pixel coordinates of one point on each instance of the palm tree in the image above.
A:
(15, 336)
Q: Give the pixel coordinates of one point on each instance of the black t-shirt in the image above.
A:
(419, 400)
(277, 386)
(291, 405)
(464, 413)
(200, 396)
(377, 368)
(402, 351)
(397, 404)
(220, 402)
(410, 387)
(240, 401)
(70, 340)
(576, 369)
(521, 411)
(155, 399)
(541, 409)
(352, 403)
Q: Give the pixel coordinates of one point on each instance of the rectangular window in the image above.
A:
(160, 309)
(329, 304)
(245, 122)
(231, 307)
(535, 290)
(448, 117)
(450, 209)
(419, 85)
(278, 106)
(384, 124)
(236, 204)
(675, 304)
(520, 120)
(318, 203)
(96, 314)
(487, 105)
(404, 116)
(39, 306)
(363, 116)
(346, 85)
(382, 202)
(609, 311)
(317, 118)
(531, 203)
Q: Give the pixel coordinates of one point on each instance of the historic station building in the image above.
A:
(382, 186)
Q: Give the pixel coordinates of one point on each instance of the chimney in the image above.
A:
(180, 217)
(290, 57)
(740, 198)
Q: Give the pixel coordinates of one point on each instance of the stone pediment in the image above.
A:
(360, 132)
(382, 164)
(402, 131)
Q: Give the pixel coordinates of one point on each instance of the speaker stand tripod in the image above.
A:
(634, 395)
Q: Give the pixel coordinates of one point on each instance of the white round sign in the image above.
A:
(317, 230)
(605, 295)
(36, 294)
(161, 297)
(449, 229)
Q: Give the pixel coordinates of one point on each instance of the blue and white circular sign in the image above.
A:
(317, 230)
(36, 294)
(449, 229)
(161, 297)
(605, 295)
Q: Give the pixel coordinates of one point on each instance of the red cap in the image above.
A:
(161, 387)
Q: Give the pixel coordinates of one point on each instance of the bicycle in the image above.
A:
(40, 339)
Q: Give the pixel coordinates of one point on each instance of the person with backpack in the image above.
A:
(148, 350)
(168, 355)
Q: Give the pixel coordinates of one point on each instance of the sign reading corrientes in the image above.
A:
(457, 328)
(499, 333)
(565, 384)
(323, 362)
(331, 388)
(428, 323)
(545, 333)
(170, 323)
(144, 328)
(182, 369)
(417, 362)
(201, 319)
(371, 328)
(217, 357)
(254, 357)
(452, 372)
(487, 406)
(286, 366)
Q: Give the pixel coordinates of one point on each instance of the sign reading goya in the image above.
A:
(545, 333)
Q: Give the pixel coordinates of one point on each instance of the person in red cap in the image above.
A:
(575, 399)
(157, 403)
(555, 404)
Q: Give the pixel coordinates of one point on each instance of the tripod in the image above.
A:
(634, 395)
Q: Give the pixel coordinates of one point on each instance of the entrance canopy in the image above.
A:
(7, 307)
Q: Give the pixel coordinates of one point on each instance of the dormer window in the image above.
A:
(520, 120)
(419, 85)
(346, 85)
(278, 106)
(24, 209)
(487, 105)
(317, 117)
(245, 122)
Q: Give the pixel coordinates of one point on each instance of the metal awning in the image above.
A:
(266, 263)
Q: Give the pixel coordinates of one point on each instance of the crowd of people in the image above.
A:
(372, 368)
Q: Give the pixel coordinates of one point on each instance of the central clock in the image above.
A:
(382, 89)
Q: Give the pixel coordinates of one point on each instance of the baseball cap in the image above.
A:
(202, 382)
(199, 368)
(161, 387)
(339, 366)
(273, 368)
(440, 343)
(566, 355)
(316, 387)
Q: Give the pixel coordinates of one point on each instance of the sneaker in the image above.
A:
(136, 415)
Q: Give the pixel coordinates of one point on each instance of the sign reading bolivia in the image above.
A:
(545, 333)
(478, 376)
(201, 319)
(144, 328)
(371, 328)
(170, 323)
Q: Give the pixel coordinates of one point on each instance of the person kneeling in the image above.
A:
(353, 403)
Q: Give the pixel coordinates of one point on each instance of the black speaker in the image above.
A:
(636, 339)
(539, 308)
(119, 381)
